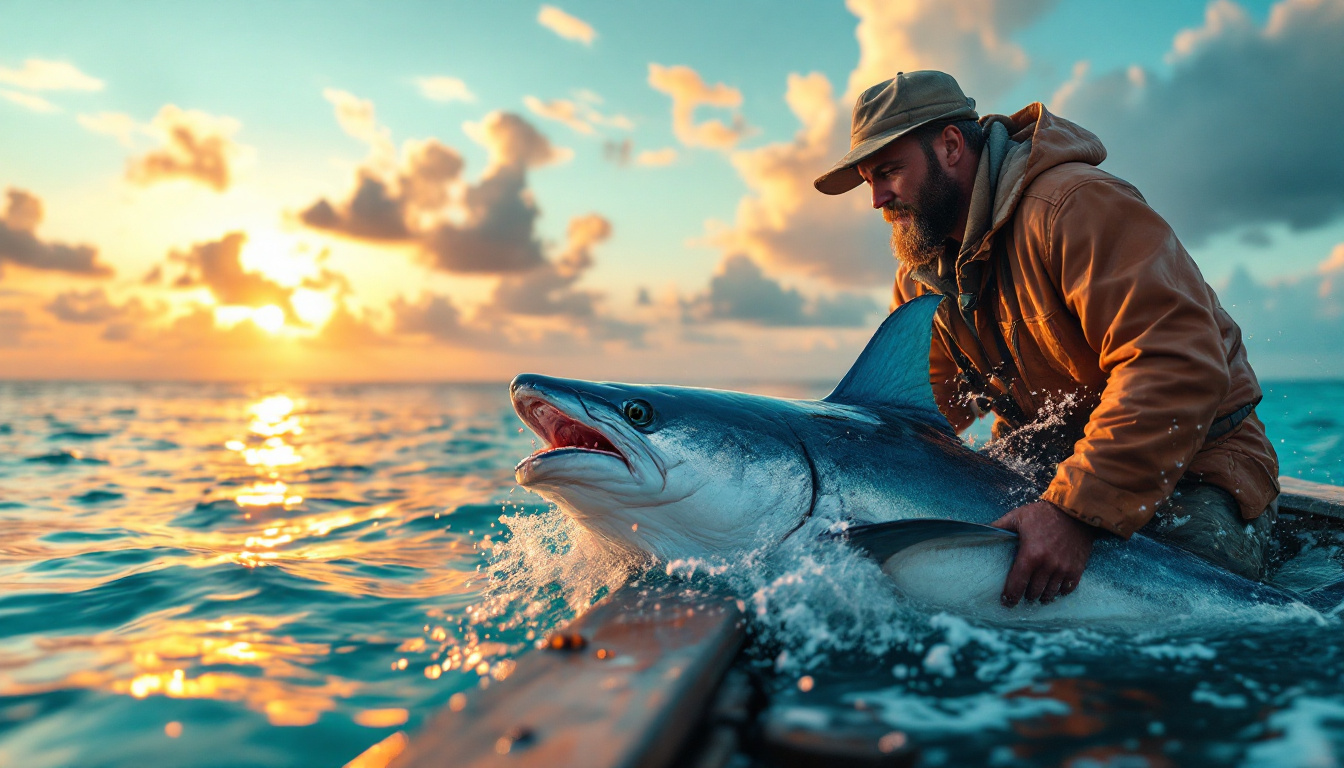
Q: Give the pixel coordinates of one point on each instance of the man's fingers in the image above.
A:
(1070, 583)
(1039, 581)
(1008, 522)
(1052, 588)
(1016, 583)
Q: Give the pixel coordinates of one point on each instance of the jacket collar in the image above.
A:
(1036, 140)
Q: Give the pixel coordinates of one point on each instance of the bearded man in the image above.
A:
(1074, 314)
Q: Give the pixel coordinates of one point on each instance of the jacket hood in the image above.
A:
(1050, 140)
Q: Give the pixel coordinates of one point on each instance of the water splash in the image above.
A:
(1033, 450)
(550, 566)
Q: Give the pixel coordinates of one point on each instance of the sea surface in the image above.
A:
(248, 575)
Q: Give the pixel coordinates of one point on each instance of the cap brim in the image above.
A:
(844, 176)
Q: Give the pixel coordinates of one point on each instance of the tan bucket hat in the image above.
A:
(888, 111)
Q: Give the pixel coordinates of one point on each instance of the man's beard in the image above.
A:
(922, 240)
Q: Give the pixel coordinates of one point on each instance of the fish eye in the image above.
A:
(638, 412)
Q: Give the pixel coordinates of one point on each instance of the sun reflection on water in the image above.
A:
(272, 417)
(336, 505)
(264, 494)
(286, 692)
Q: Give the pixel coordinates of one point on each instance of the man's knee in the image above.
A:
(1206, 521)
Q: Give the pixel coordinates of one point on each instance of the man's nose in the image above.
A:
(882, 195)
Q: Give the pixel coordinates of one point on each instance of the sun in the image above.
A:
(269, 318)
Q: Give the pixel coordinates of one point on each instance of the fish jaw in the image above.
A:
(580, 452)
(570, 446)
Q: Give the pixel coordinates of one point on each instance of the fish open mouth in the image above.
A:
(561, 431)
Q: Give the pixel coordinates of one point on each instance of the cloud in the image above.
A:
(512, 142)
(524, 308)
(487, 227)
(371, 213)
(784, 223)
(579, 115)
(29, 101)
(43, 75)
(689, 91)
(94, 307)
(217, 265)
(357, 118)
(327, 279)
(656, 158)
(391, 210)
(443, 88)
(740, 290)
(498, 231)
(1243, 130)
(197, 147)
(566, 26)
(1292, 328)
(20, 246)
(561, 111)
(197, 329)
(117, 124)
(549, 289)
(966, 38)
(345, 329)
(437, 317)
(89, 307)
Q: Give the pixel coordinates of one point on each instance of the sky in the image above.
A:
(453, 191)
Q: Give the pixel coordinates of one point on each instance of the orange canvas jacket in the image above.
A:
(1107, 308)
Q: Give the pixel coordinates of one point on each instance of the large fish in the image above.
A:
(682, 472)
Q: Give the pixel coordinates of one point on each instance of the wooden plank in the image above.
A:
(649, 661)
(1311, 498)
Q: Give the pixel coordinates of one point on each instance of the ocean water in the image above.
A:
(223, 575)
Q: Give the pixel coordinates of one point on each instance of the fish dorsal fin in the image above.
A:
(893, 370)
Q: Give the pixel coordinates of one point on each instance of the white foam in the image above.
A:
(1306, 738)
(1179, 652)
(1207, 695)
(963, 714)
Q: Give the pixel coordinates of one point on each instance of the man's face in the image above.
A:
(916, 196)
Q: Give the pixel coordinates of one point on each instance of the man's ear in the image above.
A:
(954, 145)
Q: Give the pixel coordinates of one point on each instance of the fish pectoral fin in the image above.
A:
(881, 541)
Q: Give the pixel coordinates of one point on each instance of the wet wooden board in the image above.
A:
(1311, 498)
(650, 660)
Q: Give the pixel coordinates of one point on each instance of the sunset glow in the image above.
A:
(623, 200)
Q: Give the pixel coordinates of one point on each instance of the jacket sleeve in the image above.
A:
(1144, 309)
(943, 369)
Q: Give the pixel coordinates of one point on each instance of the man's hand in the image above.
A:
(1052, 552)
